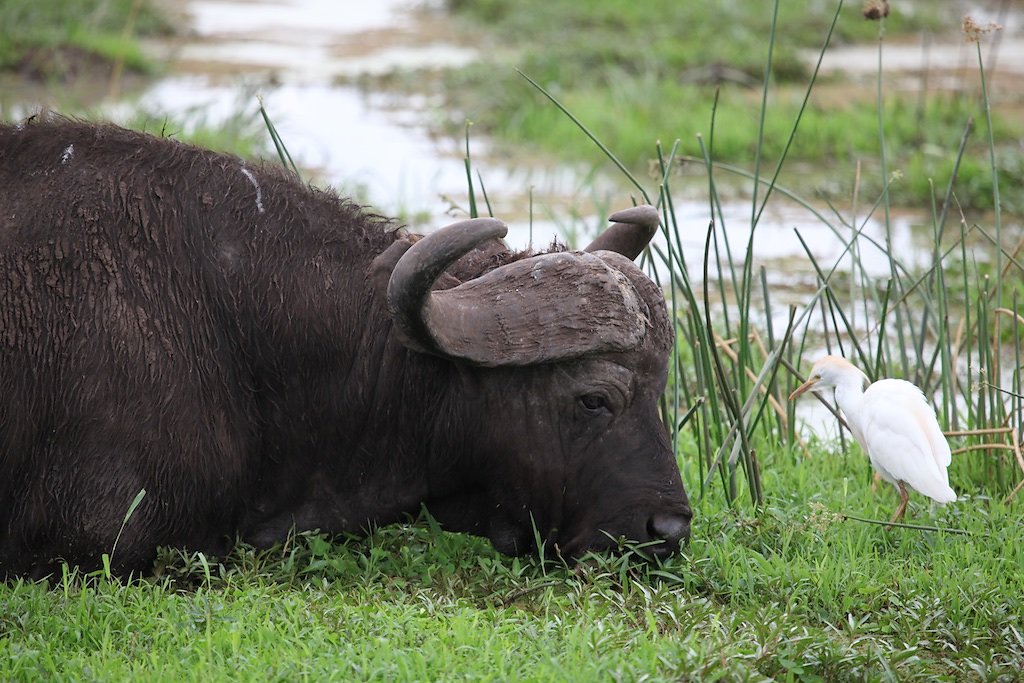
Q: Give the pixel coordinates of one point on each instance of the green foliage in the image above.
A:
(663, 39)
(933, 168)
(643, 110)
(243, 133)
(629, 72)
(49, 38)
(112, 48)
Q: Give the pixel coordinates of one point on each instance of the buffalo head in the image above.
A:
(561, 359)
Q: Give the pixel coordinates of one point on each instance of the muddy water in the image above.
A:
(303, 56)
(294, 54)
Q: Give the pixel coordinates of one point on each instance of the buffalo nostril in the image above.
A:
(671, 527)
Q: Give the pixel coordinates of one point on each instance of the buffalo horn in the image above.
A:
(631, 230)
(409, 287)
(540, 309)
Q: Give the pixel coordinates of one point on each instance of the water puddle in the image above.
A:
(313, 41)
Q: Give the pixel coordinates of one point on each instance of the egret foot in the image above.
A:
(902, 508)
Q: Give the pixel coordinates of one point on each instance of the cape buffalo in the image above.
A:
(261, 356)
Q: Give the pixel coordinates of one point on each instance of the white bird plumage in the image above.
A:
(895, 426)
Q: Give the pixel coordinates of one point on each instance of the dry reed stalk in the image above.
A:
(982, 447)
(1013, 256)
(1012, 314)
(1020, 463)
(979, 432)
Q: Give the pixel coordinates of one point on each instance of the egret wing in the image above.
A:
(918, 406)
(903, 438)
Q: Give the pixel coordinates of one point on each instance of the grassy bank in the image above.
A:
(795, 594)
(637, 73)
(58, 40)
(557, 43)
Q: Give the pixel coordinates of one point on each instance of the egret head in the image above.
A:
(829, 372)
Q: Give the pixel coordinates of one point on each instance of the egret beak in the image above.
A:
(804, 387)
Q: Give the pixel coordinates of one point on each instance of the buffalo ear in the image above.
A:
(379, 272)
(631, 230)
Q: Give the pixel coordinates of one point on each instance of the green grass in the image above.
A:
(793, 594)
(635, 75)
(52, 39)
(642, 111)
(557, 43)
(242, 134)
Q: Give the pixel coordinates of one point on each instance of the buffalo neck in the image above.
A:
(350, 425)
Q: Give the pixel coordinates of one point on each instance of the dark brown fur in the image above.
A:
(183, 322)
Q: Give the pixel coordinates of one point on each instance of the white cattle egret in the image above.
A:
(895, 426)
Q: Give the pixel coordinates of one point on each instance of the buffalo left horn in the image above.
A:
(631, 230)
(409, 287)
(540, 309)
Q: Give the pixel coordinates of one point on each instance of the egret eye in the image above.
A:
(593, 403)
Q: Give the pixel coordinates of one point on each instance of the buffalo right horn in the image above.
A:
(631, 231)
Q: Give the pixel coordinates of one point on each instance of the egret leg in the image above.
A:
(902, 508)
(874, 482)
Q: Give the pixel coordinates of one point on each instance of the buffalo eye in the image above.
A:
(594, 404)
